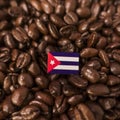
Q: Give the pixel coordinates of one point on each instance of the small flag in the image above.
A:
(63, 63)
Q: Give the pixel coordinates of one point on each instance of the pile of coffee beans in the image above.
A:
(29, 29)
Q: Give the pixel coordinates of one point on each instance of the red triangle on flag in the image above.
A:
(52, 62)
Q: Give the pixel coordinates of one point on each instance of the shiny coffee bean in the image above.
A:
(88, 52)
(19, 96)
(83, 112)
(115, 68)
(98, 90)
(23, 60)
(90, 74)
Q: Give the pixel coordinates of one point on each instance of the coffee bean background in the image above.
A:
(29, 29)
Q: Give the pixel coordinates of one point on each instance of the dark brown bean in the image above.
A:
(30, 112)
(98, 90)
(88, 52)
(23, 60)
(46, 7)
(116, 57)
(90, 74)
(83, 27)
(19, 96)
(115, 68)
(71, 18)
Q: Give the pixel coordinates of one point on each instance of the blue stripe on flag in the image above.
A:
(65, 54)
(64, 72)
(69, 63)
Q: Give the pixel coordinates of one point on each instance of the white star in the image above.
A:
(52, 62)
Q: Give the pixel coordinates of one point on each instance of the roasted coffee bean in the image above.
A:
(67, 30)
(53, 30)
(116, 57)
(97, 110)
(42, 81)
(74, 100)
(41, 26)
(33, 32)
(4, 54)
(71, 18)
(20, 35)
(90, 74)
(60, 105)
(19, 96)
(78, 81)
(3, 66)
(98, 90)
(36, 4)
(115, 68)
(83, 27)
(107, 103)
(25, 79)
(7, 105)
(59, 9)
(83, 12)
(95, 64)
(113, 80)
(34, 69)
(9, 41)
(102, 54)
(23, 60)
(46, 7)
(30, 112)
(83, 112)
(55, 88)
(57, 20)
(88, 52)
(45, 97)
(70, 5)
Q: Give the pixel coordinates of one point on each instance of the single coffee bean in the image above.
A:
(23, 60)
(96, 109)
(42, 81)
(60, 105)
(115, 68)
(59, 9)
(103, 55)
(70, 5)
(90, 74)
(7, 105)
(4, 54)
(95, 64)
(57, 20)
(92, 39)
(55, 88)
(25, 79)
(107, 103)
(78, 81)
(46, 7)
(45, 97)
(98, 90)
(83, 112)
(36, 4)
(33, 32)
(34, 69)
(83, 27)
(116, 57)
(53, 30)
(74, 100)
(9, 41)
(67, 30)
(30, 112)
(19, 96)
(41, 26)
(88, 52)
(83, 12)
(113, 80)
(20, 35)
(71, 18)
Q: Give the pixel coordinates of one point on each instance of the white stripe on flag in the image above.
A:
(72, 59)
(66, 67)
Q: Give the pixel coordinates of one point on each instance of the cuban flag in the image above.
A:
(63, 63)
